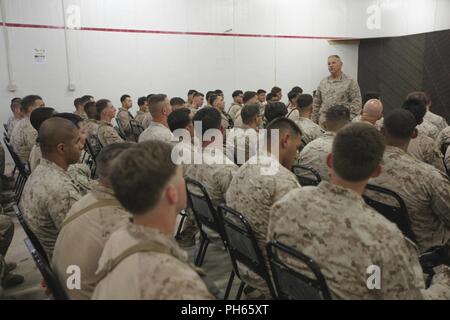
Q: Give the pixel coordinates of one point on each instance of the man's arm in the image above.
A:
(317, 104)
(354, 99)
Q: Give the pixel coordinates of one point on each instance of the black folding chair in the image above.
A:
(180, 225)
(93, 147)
(205, 214)
(30, 234)
(243, 248)
(306, 176)
(292, 284)
(24, 171)
(50, 278)
(136, 129)
(6, 127)
(444, 148)
(397, 214)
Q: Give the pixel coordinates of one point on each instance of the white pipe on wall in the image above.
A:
(70, 85)
(11, 85)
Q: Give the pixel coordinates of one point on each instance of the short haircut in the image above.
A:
(15, 105)
(209, 94)
(85, 99)
(249, 113)
(282, 124)
(134, 168)
(74, 118)
(334, 56)
(106, 158)
(357, 150)
(15, 100)
(141, 101)
(91, 110)
(418, 95)
(275, 90)
(416, 107)
(304, 101)
(154, 103)
(198, 94)
(179, 119)
(54, 131)
(275, 110)
(77, 102)
(369, 95)
(28, 102)
(269, 96)
(212, 98)
(192, 91)
(101, 105)
(124, 97)
(39, 115)
(210, 118)
(236, 93)
(248, 95)
(337, 114)
(292, 95)
(260, 91)
(149, 96)
(399, 124)
(218, 92)
(297, 89)
(177, 101)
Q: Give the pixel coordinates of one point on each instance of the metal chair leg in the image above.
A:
(230, 283)
(180, 226)
(204, 253)
(200, 250)
(241, 288)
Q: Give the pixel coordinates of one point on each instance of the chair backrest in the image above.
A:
(30, 234)
(49, 276)
(5, 136)
(307, 176)
(397, 214)
(444, 147)
(19, 164)
(242, 244)
(6, 127)
(136, 129)
(93, 146)
(201, 204)
(291, 283)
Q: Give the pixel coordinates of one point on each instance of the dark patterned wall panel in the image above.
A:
(397, 66)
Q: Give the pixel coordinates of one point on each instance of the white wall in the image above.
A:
(108, 64)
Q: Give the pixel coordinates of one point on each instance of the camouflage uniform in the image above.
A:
(81, 114)
(310, 130)
(124, 117)
(215, 173)
(234, 110)
(242, 144)
(436, 120)
(426, 192)
(443, 137)
(96, 225)
(344, 236)
(424, 149)
(47, 197)
(156, 131)
(252, 193)
(23, 137)
(293, 114)
(148, 275)
(90, 127)
(428, 129)
(344, 90)
(80, 173)
(12, 121)
(315, 154)
(447, 159)
(227, 121)
(141, 116)
(378, 124)
(107, 134)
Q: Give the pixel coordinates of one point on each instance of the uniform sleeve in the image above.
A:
(354, 99)
(317, 104)
(440, 196)
(224, 177)
(59, 206)
(124, 120)
(111, 136)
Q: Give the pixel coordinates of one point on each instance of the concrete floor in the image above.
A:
(217, 267)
